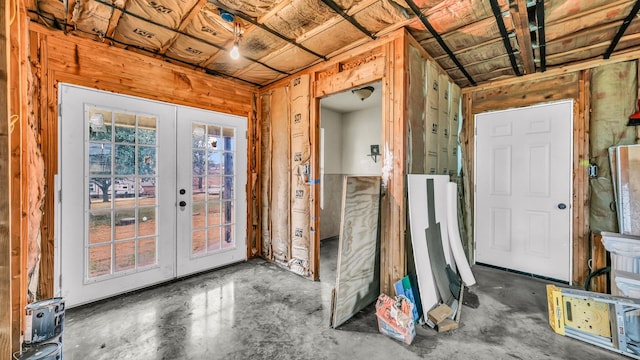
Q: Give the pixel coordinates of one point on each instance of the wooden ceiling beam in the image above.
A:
(523, 35)
(435, 34)
(505, 36)
(623, 28)
(338, 10)
(195, 10)
(125, 11)
(115, 18)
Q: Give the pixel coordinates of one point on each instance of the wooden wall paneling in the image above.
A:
(265, 175)
(581, 236)
(280, 176)
(253, 186)
(468, 146)
(524, 93)
(357, 275)
(6, 338)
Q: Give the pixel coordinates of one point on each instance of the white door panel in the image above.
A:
(114, 240)
(523, 172)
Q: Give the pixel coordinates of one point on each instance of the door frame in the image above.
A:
(572, 144)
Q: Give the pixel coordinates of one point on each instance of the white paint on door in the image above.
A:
(524, 189)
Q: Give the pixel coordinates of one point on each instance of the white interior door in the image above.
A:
(117, 221)
(524, 189)
(212, 168)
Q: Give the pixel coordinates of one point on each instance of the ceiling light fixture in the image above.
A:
(234, 53)
(363, 93)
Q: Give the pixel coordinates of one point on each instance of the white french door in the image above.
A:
(524, 189)
(121, 223)
(211, 176)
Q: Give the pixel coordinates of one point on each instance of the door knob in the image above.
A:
(562, 206)
(183, 203)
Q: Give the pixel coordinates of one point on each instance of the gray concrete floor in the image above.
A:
(255, 310)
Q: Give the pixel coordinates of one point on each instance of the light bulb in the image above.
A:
(235, 53)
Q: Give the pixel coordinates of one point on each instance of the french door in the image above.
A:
(129, 214)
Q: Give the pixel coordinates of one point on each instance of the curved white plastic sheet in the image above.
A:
(454, 236)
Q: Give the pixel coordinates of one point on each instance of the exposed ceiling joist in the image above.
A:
(114, 19)
(348, 17)
(185, 22)
(505, 37)
(438, 38)
(623, 28)
(125, 11)
(251, 20)
(523, 35)
(541, 38)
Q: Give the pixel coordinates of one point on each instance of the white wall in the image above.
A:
(360, 130)
(331, 122)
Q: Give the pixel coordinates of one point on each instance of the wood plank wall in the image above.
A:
(58, 58)
(5, 183)
(523, 92)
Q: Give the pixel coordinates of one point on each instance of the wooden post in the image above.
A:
(5, 161)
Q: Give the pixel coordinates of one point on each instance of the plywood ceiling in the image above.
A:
(475, 41)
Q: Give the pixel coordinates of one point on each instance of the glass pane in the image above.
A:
(99, 193)
(214, 187)
(214, 138)
(125, 160)
(198, 161)
(227, 163)
(229, 238)
(228, 137)
(147, 160)
(213, 238)
(125, 256)
(147, 252)
(99, 159)
(125, 221)
(146, 130)
(197, 242)
(125, 128)
(213, 163)
(227, 188)
(99, 227)
(213, 215)
(227, 212)
(124, 191)
(99, 125)
(148, 196)
(99, 260)
(198, 131)
(198, 216)
(197, 187)
(147, 223)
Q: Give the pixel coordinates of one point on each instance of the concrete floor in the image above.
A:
(256, 310)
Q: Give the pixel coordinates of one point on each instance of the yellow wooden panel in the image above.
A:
(589, 316)
(554, 299)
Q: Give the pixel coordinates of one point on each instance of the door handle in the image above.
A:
(183, 203)
(562, 206)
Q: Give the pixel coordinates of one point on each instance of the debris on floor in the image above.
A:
(395, 318)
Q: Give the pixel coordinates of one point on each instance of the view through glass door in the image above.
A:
(122, 226)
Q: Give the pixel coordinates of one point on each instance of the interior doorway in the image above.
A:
(350, 126)
(523, 177)
(149, 192)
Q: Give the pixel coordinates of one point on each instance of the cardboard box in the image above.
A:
(395, 318)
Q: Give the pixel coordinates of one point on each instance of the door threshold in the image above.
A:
(524, 273)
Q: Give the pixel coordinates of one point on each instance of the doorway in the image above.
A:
(148, 192)
(523, 177)
(348, 128)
